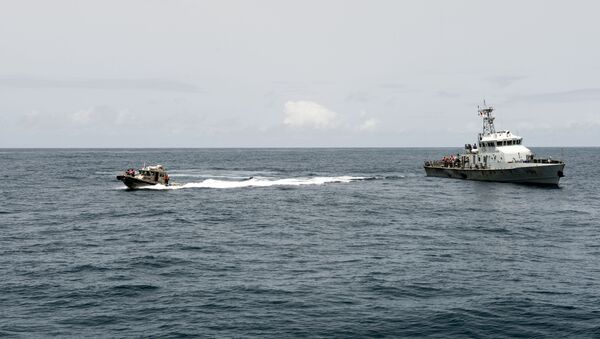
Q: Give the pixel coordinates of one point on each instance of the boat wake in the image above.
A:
(258, 182)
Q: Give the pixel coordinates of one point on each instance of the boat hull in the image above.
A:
(133, 183)
(545, 175)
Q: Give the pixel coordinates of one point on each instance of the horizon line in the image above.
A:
(266, 147)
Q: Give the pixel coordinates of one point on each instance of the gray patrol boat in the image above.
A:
(499, 156)
(146, 176)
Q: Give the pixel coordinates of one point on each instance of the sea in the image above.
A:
(286, 243)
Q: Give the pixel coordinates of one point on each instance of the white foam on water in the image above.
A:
(257, 182)
(205, 175)
(217, 173)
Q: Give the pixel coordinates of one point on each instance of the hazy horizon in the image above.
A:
(287, 74)
(258, 148)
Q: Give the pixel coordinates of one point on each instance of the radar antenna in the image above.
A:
(488, 118)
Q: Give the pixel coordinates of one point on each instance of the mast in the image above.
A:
(488, 119)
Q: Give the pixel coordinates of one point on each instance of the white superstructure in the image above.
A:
(497, 149)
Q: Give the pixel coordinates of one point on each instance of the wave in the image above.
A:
(258, 182)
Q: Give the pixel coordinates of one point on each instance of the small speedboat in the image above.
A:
(146, 176)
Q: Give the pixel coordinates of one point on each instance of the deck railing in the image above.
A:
(453, 164)
(458, 164)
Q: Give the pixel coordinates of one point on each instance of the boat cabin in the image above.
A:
(496, 148)
(155, 173)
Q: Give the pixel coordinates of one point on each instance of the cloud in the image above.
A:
(34, 119)
(97, 84)
(100, 116)
(93, 117)
(586, 94)
(446, 94)
(392, 85)
(358, 96)
(369, 125)
(504, 81)
(83, 117)
(308, 114)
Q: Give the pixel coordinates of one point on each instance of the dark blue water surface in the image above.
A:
(294, 243)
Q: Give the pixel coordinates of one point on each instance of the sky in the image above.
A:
(278, 73)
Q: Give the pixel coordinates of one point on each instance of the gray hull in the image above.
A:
(535, 175)
(134, 183)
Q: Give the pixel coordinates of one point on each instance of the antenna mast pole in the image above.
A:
(488, 118)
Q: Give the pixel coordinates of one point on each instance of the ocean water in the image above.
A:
(294, 243)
